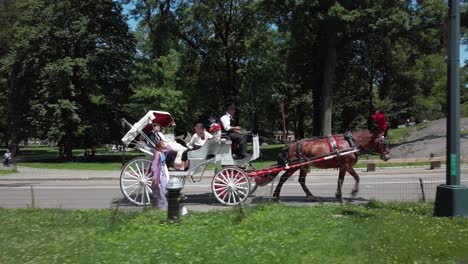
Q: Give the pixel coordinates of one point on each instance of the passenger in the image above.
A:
(160, 174)
(233, 130)
(196, 142)
(158, 135)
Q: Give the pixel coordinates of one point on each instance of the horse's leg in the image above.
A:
(341, 175)
(302, 178)
(283, 178)
(356, 181)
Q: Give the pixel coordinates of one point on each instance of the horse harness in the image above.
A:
(334, 146)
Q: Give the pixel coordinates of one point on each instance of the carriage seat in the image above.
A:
(224, 135)
(207, 151)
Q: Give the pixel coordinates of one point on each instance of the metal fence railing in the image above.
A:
(387, 185)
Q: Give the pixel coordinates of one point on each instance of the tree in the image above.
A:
(70, 69)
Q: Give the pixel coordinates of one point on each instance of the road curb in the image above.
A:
(210, 174)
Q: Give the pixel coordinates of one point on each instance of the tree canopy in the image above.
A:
(71, 69)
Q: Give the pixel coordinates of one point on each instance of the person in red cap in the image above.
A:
(381, 121)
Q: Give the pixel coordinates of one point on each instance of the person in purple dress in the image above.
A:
(160, 174)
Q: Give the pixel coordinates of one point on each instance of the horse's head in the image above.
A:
(383, 146)
(373, 143)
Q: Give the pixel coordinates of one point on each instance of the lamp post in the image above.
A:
(452, 198)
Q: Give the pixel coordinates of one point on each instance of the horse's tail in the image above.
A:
(282, 158)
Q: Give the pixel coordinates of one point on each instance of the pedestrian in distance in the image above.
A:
(7, 158)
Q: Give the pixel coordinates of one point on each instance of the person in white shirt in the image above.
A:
(197, 141)
(233, 130)
(7, 158)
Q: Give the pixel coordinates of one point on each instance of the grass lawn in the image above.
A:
(399, 135)
(46, 157)
(270, 233)
(112, 161)
(6, 172)
(74, 165)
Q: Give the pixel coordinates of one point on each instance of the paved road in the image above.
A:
(100, 189)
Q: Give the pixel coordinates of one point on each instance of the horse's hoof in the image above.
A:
(312, 198)
(275, 198)
(338, 196)
(354, 193)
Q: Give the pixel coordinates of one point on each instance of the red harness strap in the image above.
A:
(337, 142)
(333, 143)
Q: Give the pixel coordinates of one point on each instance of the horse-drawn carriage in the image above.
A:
(236, 179)
(230, 185)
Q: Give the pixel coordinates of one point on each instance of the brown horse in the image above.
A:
(307, 149)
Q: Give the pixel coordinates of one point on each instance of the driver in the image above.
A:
(381, 121)
(233, 130)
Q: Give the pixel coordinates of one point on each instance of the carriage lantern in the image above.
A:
(174, 199)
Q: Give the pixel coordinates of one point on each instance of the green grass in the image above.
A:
(47, 158)
(399, 135)
(73, 165)
(6, 172)
(271, 233)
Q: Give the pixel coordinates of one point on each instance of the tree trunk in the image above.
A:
(327, 84)
(68, 150)
(371, 96)
(300, 121)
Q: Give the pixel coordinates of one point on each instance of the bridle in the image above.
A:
(382, 144)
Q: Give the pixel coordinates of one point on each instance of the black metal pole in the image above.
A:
(452, 198)
(453, 96)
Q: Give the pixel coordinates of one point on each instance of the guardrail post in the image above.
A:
(370, 167)
(435, 164)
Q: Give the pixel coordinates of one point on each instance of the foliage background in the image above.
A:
(69, 71)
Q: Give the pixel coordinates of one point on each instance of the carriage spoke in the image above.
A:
(139, 171)
(142, 197)
(234, 197)
(240, 179)
(229, 197)
(148, 188)
(132, 175)
(133, 191)
(147, 171)
(136, 173)
(147, 193)
(129, 186)
(222, 191)
(130, 180)
(224, 179)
